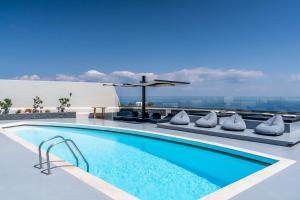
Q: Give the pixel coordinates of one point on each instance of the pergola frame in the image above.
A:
(143, 84)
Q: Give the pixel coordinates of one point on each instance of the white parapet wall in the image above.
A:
(85, 95)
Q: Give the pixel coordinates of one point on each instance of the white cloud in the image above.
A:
(209, 81)
(295, 77)
(29, 77)
(193, 75)
(131, 76)
(124, 74)
(93, 75)
(202, 74)
(64, 77)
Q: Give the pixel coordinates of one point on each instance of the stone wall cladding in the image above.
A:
(29, 116)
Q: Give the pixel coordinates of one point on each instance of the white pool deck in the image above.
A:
(20, 180)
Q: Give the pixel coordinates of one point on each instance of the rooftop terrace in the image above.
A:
(21, 180)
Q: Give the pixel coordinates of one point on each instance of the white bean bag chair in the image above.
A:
(208, 121)
(234, 123)
(273, 126)
(180, 118)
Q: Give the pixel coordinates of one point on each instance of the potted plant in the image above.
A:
(37, 104)
(5, 105)
(64, 103)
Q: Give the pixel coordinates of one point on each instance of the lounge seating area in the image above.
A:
(234, 123)
(208, 121)
(135, 116)
(180, 118)
(126, 115)
(273, 126)
(159, 119)
(271, 131)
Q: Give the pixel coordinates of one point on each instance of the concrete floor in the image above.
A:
(15, 184)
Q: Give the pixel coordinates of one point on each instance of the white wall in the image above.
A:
(84, 94)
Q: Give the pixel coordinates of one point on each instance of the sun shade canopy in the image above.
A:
(144, 84)
(154, 83)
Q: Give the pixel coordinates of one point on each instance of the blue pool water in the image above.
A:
(150, 168)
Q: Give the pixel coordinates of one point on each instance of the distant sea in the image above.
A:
(282, 104)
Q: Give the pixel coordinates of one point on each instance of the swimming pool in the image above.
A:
(151, 168)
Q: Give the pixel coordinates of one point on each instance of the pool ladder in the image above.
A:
(65, 141)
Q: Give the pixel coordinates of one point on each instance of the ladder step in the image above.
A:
(71, 147)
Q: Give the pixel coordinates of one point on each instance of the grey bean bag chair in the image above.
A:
(273, 126)
(180, 118)
(208, 121)
(234, 123)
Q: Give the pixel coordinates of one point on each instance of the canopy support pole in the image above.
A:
(143, 98)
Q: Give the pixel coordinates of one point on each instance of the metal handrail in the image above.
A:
(43, 142)
(80, 153)
(65, 141)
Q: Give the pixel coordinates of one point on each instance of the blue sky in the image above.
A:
(224, 47)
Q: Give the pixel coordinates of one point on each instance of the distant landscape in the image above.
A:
(281, 104)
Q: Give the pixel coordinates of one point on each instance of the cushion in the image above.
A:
(208, 121)
(273, 126)
(180, 118)
(156, 116)
(234, 123)
(124, 113)
(134, 113)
